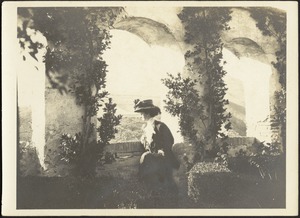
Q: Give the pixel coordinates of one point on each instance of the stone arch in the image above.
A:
(241, 39)
(244, 40)
(251, 102)
(151, 31)
(158, 44)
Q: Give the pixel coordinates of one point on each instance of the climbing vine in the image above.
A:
(76, 40)
(203, 27)
(272, 22)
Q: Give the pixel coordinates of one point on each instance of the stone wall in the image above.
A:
(62, 116)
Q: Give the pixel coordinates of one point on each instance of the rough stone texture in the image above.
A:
(62, 116)
(242, 26)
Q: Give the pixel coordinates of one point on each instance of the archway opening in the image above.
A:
(135, 70)
(248, 82)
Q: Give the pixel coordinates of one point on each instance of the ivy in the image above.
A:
(272, 22)
(203, 27)
(76, 39)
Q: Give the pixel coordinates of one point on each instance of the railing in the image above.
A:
(124, 148)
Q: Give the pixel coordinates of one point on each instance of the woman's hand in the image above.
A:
(161, 152)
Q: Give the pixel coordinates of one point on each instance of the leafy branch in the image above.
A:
(76, 40)
(203, 113)
(272, 22)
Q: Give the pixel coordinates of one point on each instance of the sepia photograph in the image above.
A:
(150, 108)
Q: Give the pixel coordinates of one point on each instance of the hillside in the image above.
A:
(129, 130)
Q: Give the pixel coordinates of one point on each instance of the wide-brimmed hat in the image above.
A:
(145, 105)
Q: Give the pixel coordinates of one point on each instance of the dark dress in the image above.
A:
(156, 169)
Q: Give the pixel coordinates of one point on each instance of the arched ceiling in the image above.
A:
(156, 33)
(245, 47)
(152, 32)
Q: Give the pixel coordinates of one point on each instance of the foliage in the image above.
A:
(204, 174)
(109, 121)
(262, 162)
(222, 158)
(29, 161)
(183, 101)
(234, 190)
(273, 23)
(70, 146)
(76, 39)
(203, 27)
(264, 158)
(209, 167)
(263, 148)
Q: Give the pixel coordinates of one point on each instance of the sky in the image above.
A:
(136, 68)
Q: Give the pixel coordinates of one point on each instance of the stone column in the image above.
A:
(31, 92)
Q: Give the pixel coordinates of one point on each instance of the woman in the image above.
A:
(158, 160)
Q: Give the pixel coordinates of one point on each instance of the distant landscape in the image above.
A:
(129, 130)
(130, 127)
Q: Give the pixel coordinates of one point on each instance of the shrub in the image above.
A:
(264, 162)
(70, 152)
(211, 185)
(208, 175)
(70, 147)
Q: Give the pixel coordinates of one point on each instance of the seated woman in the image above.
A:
(158, 160)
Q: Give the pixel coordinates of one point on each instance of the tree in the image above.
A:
(77, 38)
(272, 22)
(203, 27)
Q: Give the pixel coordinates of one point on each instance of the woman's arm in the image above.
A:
(165, 139)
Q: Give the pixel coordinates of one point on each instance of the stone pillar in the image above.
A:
(38, 112)
(31, 95)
